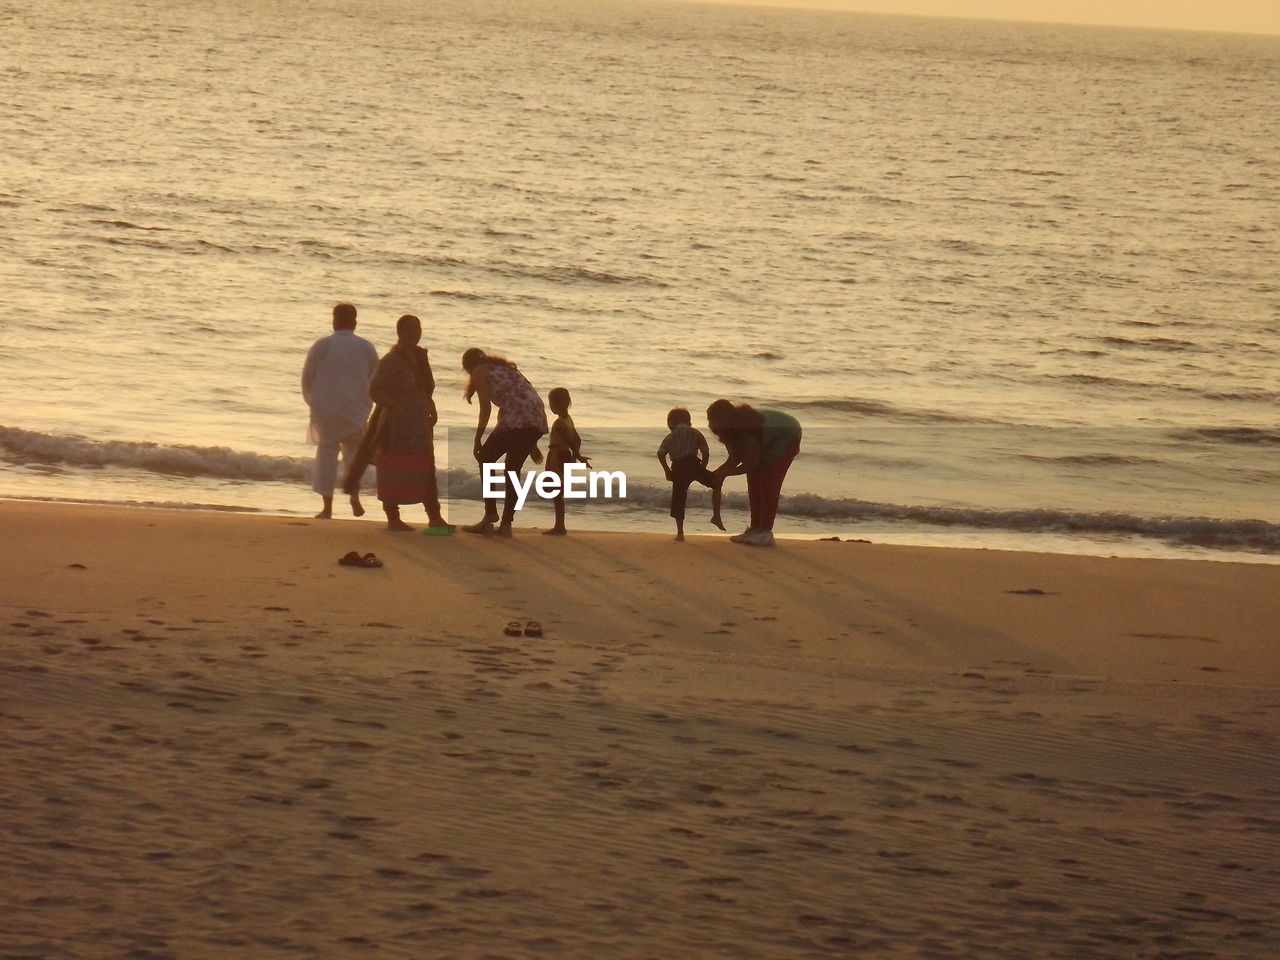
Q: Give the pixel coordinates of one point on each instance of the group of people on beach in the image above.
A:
(382, 412)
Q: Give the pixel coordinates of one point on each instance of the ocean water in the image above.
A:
(1017, 281)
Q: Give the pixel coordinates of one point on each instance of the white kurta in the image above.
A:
(335, 384)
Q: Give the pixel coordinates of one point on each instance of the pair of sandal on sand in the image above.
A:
(531, 629)
(353, 559)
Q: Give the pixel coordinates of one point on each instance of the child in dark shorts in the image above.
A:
(688, 453)
(564, 447)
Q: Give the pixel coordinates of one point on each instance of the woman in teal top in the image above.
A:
(761, 444)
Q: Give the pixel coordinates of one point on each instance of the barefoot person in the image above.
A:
(761, 444)
(335, 385)
(522, 419)
(564, 446)
(402, 387)
(688, 450)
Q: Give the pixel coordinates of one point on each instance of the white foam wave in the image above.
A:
(1217, 533)
(27, 446)
(31, 447)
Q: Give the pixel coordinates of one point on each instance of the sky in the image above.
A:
(1242, 16)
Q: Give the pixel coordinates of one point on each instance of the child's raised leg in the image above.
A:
(715, 507)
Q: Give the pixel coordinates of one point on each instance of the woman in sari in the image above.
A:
(399, 432)
(522, 419)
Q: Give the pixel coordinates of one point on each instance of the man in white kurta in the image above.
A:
(335, 384)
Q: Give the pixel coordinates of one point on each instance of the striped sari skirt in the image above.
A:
(407, 471)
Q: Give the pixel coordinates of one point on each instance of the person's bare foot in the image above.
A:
(716, 521)
(504, 530)
(555, 532)
(324, 515)
(399, 526)
(357, 508)
(679, 538)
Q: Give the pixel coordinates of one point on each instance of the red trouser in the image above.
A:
(764, 486)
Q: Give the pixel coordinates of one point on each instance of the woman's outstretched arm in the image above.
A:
(480, 380)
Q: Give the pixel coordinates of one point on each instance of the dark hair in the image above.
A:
(678, 415)
(472, 357)
(404, 322)
(344, 316)
(733, 424)
(557, 394)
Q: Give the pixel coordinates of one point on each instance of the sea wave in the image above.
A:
(1151, 343)
(459, 294)
(31, 447)
(1246, 436)
(878, 408)
(1148, 388)
(27, 446)
(1215, 533)
(1092, 460)
(570, 273)
(126, 225)
(1250, 396)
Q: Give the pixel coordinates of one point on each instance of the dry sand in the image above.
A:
(220, 743)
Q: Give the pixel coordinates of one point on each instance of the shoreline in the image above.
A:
(909, 533)
(223, 740)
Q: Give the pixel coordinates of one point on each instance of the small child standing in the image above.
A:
(563, 446)
(689, 454)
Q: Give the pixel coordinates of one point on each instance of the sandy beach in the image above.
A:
(222, 743)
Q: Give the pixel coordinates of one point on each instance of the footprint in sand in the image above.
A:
(270, 798)
(959, 764)
(602, 782)
(720, 881)
(1037, 903)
